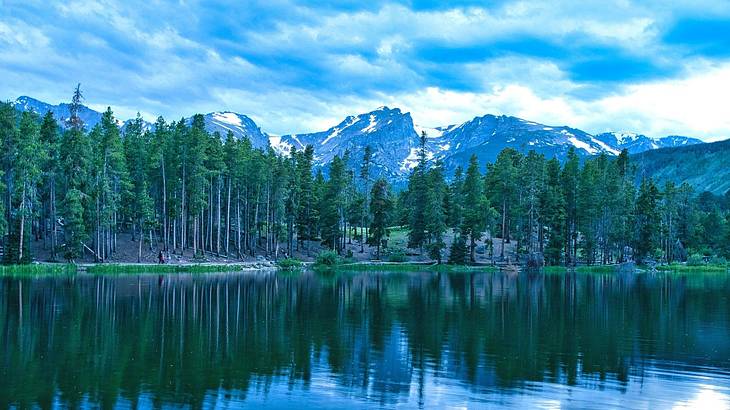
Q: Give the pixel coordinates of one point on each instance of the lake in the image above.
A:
(366, 340)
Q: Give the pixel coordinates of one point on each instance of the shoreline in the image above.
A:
(59, 268)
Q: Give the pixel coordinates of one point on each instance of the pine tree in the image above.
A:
(141, 206)
(417, 195)
(647, 220)
(29, 156)
(74, 158)
(458, 251)
(569, 179)
(501, 189)
(552, 209)
(475, 208)
(332, 204)
(305, 217)
(365, 178)
(380, 207)
(49, 137)
(434, 212)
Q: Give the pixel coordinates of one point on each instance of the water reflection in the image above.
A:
(365, 340)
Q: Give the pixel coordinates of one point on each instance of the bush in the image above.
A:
(458, 251)
(397, 256)
(695, 260)
(289, 264)
(327, 258)
(434, 250)
(718, 260)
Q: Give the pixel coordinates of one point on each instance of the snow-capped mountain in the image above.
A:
(486, 136)
(395, 139)
(60, 112)
(238, 124)
(636, 143)
(388, 131)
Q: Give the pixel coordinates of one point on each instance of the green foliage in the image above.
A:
(397, 255)
(178, 188)
(327, 258)
(696, 260)
(703, 166)
(718, 260)
(380, 208)
(458, 251)
(289, 264)
(38, 269)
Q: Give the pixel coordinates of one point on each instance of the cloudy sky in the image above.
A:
(647, 66)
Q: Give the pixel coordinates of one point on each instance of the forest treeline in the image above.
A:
(180, 189)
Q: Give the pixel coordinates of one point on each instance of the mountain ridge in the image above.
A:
(394, 137)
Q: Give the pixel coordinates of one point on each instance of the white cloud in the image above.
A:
(307, 73)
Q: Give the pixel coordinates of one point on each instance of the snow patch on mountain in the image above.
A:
(411, 161)
(279, 146)
(582, 145)
(373, 123)
(227, 118)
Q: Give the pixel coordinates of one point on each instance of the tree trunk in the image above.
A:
(228, 218)
(53, 218)
(238, 222)
(183, 219)
(139, 246)
(218, 224)
(504, 225)
(22, 225)
(165, 222)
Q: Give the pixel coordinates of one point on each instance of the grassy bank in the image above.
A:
(403, 267)
(676, 267)
(142, 268)
(38, 269)
(52, 269)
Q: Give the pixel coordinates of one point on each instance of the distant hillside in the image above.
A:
(704, 166)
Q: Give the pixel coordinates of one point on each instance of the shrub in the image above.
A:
(695, 260)
(289, 264)
(327, 258)
(458, 251)
(397, 256)
(718, 260)
(434, 250)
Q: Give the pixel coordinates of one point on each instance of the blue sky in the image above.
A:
(648, 67)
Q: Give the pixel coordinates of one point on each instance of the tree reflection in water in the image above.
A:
(369, 338)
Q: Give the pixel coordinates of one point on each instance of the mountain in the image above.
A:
(486, 136)
(389, 132)
(704, 166)
(394, 138)
(636, 143)
(60, 112)
(239, 125)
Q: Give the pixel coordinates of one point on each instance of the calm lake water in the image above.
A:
(366, 340)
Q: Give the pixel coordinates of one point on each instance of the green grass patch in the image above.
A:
(677, 267)
(290, 264)
(554, 269)
(113, 268)
(38, 269)
(596, 269)
(409, 267)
